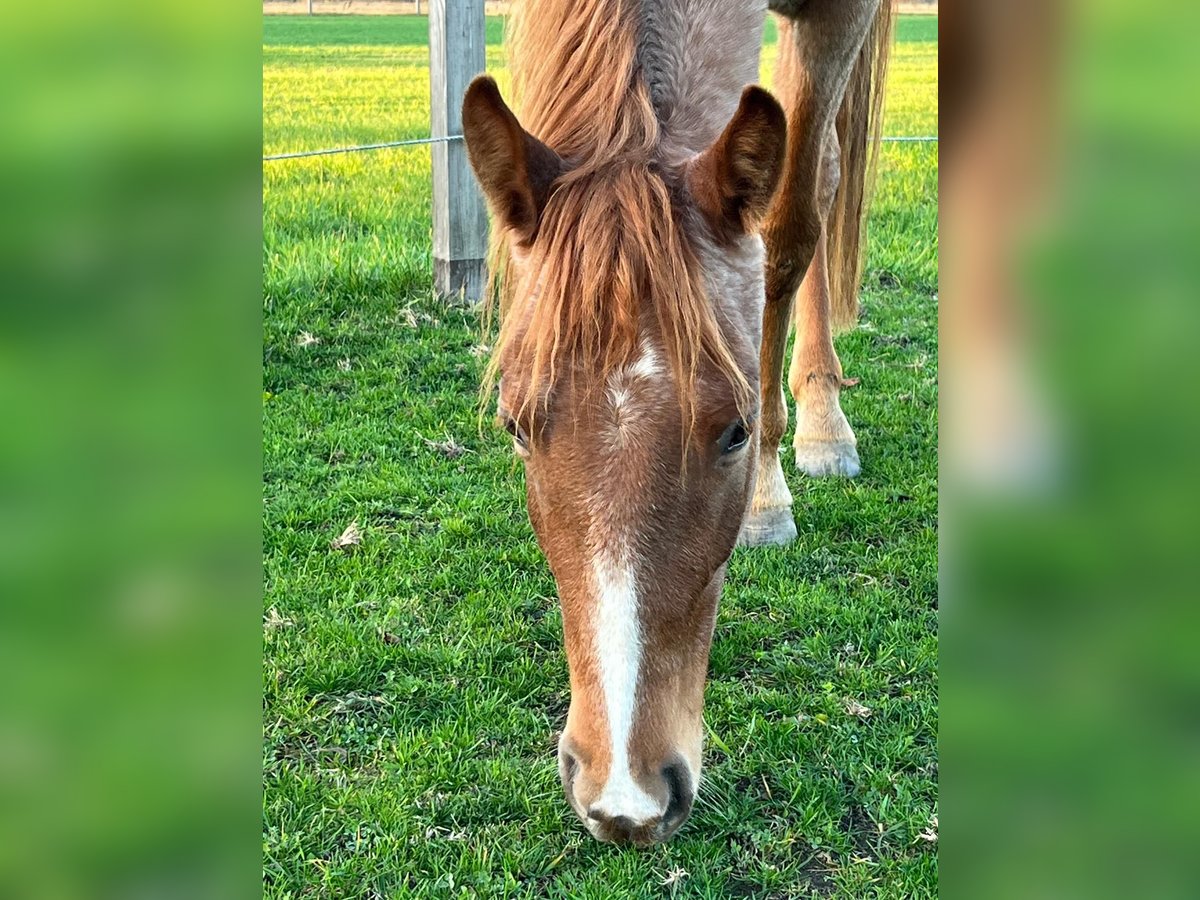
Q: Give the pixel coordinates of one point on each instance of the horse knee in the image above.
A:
(829, 178)
(790, 247)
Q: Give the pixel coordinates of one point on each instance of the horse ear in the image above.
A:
(515, 169)
(734, 180)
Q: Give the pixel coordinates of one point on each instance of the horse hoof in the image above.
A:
(768, 527)
(820, 459)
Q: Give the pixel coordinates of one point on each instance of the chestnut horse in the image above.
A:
(655, 217)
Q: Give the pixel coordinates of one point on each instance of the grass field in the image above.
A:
(414, 682)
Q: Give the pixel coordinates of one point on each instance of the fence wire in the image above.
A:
(921, 139)
(412, 143)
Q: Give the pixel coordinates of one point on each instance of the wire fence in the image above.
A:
(300, 154)
(411, 143)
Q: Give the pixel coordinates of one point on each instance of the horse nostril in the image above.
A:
(568, 766)
(679, 794)
(568, 769)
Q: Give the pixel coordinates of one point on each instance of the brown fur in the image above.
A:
(859, 128)
(609, 246)
(592, 277)
(734, 180)
(567, 478)
(627, 189)
(636, 246)
(830, 53)
(514, 167)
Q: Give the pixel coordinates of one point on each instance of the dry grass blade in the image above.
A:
(350, 537)
(930, 834)
(274, 620)
(854, 708)
(449, 448)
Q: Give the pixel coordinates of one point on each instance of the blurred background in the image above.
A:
(130, 621)
(130, 500)
(1070, 277)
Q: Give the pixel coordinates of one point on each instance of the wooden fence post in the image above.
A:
(456, 55)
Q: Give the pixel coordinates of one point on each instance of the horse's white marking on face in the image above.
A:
(619, 395)
(618, 638)
(647, 365)
(619, 650)
(629, 385)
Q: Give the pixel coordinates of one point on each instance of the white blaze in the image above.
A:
(618, 640)
(619, 653)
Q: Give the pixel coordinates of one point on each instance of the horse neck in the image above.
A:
(696, 56)
(598, 79)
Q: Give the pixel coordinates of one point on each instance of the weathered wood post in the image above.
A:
(456, 55)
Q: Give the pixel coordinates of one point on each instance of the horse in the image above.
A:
(655, 216)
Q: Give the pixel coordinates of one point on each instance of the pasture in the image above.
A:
(413, 673)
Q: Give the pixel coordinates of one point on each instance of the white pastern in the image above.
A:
(619, 652)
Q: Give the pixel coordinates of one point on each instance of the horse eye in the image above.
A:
(734, 437)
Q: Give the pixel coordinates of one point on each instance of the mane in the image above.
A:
(576, 81)
(611, 245)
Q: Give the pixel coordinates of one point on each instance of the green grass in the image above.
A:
(414, 684)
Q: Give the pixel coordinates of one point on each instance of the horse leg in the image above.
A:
(824, 442)
(817, 51)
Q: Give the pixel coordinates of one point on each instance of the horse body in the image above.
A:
(628, 191)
